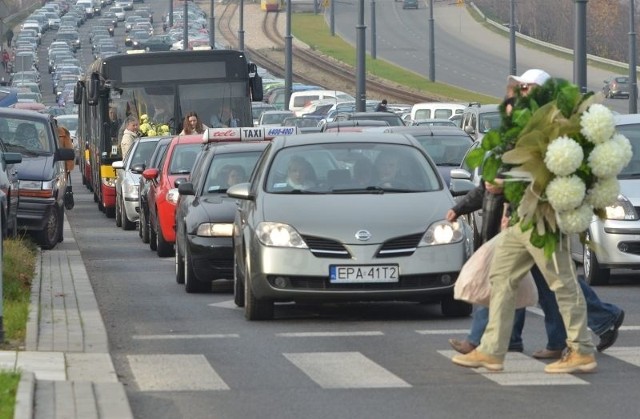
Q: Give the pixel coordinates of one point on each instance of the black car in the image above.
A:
(41, 173)
(143, 203)
(154, 43)
(205, 214)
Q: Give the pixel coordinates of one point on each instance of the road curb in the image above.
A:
(25, 396)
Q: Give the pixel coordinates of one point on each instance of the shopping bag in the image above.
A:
(68, 195)
(473, 284)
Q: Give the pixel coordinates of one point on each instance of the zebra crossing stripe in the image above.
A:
(522, 370)
(169, 372)
(630, 355)
(334, 370)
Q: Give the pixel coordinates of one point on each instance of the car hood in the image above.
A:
(341, 216)
(36, 168)
(631, 189)
(219, 208)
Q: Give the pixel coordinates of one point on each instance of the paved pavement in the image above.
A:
(67, 371)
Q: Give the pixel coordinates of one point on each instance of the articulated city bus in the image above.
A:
(159, 88)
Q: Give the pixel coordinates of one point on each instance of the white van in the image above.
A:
(435, 110)
(300, 99)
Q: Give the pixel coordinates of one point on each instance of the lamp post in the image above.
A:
(373, 29)
(633, 79)
(212, 26)
(361, 70)
(185, 30)
(288, 57)
(512, 40)
(580, 46)
(332, 17)
(432, 44)
(241, 30)
(170, 13)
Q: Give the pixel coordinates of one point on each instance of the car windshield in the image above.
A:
(351, 168)
(26, 136)
(183, 157)
(143, 152)
(229, 169)
(632, 132)
(489, 120)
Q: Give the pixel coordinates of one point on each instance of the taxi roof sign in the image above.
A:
(261, 133)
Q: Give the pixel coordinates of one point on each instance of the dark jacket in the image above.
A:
(492, 206)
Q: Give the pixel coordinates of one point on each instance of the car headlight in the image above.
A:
(279, 235)
(172, 196)
(109, 181)
(621, 210)
(130, 190)
(36, 189)
(443, 232)
(215, 230)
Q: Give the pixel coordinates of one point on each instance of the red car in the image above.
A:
(163, 193)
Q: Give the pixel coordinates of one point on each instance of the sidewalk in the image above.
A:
(67, 371)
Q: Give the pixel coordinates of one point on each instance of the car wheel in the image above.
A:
(110, 212)
(153, 241)
(191, 283)
(12, 230)
(144, 227)
(126, 224)
(593, 273)
(238, 284)
(255, 309)
(163, 248)
(454, 308)
(118, 213)
(49, 235)
(179, 266)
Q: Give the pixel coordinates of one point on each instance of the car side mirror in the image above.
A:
(469, 129)
(65, 154)
(186, 188)
(117, 164)
(138, 168)
(150, 174)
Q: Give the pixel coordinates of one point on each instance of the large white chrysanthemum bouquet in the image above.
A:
(151, 129)
(560, 162)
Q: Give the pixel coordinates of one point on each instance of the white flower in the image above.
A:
(575, 221)
(625, 148)
(607, 159)
(603, 193)
(566, 193)
(563, 157)
(597, 123)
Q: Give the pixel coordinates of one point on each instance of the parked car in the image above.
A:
(616, 86)
(616, 238)
(346, 217)
(274, 118)
(205, 214)
(9, 190)
(410, 4)
(391, 118)
(41, 173)
(154, 161)
(478, 119)
(162, 195)
(128, 174)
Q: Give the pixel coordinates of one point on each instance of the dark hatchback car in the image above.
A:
(143, 203)
(154, 43)
(616, 86)
(41, 173)
(205, 214)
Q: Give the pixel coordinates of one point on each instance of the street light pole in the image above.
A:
(373, 29)
(580, 46)
(633, 78)
(212, 26)
(170, 13)
(432, 44)
(361, 70)
(512, 39)
(185, 30)
(332, 17)
(288, 58)
(241, 30)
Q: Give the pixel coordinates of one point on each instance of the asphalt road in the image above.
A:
(467, 55)
(183, 355)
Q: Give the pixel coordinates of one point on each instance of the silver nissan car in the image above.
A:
(337, 217)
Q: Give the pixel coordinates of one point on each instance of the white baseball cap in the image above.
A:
(533, 76)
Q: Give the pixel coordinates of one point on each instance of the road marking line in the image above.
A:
(630, 355)
(522, 370)
(327, 334)
(171, 337)
(332, 370)
(164, 372)
(443, 332)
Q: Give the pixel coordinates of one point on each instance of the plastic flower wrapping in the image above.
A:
(151, 129)
(559, 154)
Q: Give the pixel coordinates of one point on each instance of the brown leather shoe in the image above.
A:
(477, 359)
(547, 354)
(462, 346)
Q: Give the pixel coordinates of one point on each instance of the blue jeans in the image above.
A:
(600, 316)
(479, 323)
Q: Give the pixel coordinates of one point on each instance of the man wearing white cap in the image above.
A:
(514, 256)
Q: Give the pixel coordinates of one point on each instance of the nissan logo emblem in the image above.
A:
(363, 235)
